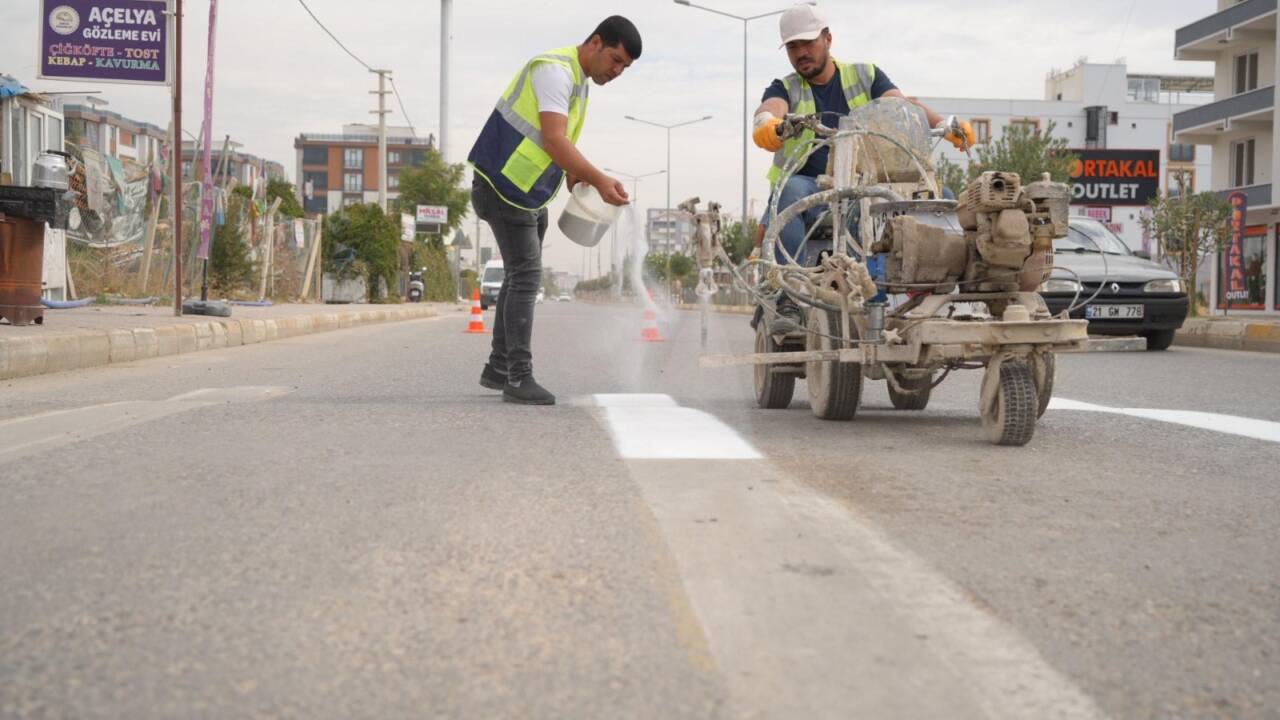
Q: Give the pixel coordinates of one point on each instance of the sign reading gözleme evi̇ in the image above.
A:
(117, 41)
(1115, 177)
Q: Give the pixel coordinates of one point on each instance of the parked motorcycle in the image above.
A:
(417, 286)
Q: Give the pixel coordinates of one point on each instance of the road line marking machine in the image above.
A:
(962, 273)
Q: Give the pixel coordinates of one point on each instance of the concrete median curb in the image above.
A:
(1230, 334)
(27, 356)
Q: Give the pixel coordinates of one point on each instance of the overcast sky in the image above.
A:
(278, 75)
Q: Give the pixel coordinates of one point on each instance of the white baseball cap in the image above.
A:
(802, 22)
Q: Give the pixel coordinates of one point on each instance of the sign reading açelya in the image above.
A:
(117, 41)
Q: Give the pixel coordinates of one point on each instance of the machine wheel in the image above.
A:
(484, 305)
(1010, 419)
(773, 392)
(912, 400)
(835, 388)
(1159, 339)
(1044, 384)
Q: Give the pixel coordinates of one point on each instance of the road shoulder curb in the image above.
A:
(30, 356)
(1234, 334)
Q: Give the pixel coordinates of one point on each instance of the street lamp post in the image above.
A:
(746, 131)
(668, 128)
(667, 211)
(635, 198)
(635, 182)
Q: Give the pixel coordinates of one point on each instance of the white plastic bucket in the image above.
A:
(587, 217)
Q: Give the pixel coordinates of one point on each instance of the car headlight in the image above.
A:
(1060, 285)
(1168, 285)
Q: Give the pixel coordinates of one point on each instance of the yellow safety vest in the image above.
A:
(856, 79)
(510, 153)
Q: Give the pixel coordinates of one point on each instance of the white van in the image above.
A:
(491, 283)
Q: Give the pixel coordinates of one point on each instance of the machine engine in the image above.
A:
(1000, 239)
(1011, 229)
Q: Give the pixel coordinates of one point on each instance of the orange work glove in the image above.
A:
(766, 132)
(964, 139)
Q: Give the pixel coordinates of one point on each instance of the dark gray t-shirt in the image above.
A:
(830, 99)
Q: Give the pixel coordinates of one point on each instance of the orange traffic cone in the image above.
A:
(650, 331)
(477, 315)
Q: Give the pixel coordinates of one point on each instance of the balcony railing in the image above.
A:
(363, 139)
(1259, 195)
(1249, 103)
(1218, 22)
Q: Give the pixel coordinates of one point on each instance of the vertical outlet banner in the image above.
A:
(206, 187)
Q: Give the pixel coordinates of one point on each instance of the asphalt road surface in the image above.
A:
(346, 525)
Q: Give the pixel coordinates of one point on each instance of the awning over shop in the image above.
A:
(10, 87)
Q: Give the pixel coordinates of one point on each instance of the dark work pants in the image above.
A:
(519, 234)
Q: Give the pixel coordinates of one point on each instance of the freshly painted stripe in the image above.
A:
(1229, 424)
(655, 427)
(811, 611)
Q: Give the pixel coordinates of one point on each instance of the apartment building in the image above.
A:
(336, 170)
(1240, 39)
(1105, 113)
(237, 164)
(91, 125)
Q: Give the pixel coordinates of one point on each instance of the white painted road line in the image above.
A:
(1229, 424)
(810, 611)
(39, 433)
(654, 427)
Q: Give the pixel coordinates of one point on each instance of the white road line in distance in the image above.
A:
(655, 427)
(39, 433)
(1217, 422)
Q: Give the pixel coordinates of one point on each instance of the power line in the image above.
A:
(366, 65)
(404, 112)
(335, 37)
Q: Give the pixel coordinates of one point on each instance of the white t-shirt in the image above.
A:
(553, 85)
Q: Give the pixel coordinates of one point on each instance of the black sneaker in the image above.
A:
(788, 320)
(527, 391)
(492, 379)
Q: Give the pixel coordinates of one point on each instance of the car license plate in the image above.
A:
(1114, 312)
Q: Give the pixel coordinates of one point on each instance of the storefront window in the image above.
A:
(1243, 278)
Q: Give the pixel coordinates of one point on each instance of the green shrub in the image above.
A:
(230, 267)
(372, 239)
(438, 278)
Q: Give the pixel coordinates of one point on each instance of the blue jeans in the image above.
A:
(797, 187)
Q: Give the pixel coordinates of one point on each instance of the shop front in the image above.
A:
(29, 125)
(1242, 275)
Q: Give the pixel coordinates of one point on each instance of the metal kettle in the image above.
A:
(51, 171)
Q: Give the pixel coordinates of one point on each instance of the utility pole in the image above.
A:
(381, 112)
(477, 247)
(446, 18)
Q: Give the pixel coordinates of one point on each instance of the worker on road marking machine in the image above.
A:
(525, 150)
(820, 84)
